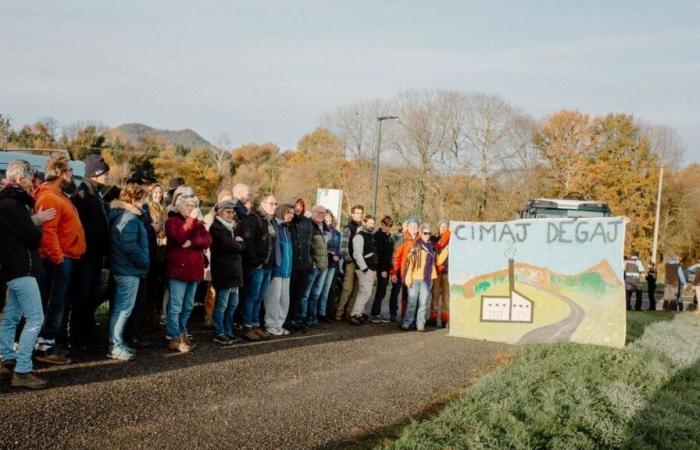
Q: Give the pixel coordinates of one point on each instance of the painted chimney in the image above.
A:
(511, 274)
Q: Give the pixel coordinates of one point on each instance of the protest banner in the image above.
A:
(539, 280)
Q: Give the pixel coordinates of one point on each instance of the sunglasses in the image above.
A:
(426, 233)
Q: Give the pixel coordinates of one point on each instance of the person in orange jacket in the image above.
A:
(441, 285)
(399, 268)
(62, 244)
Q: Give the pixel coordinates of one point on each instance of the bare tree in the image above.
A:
(665, 143)
(221, 152)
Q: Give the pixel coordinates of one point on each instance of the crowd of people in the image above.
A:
(676, 282)
(262, 270)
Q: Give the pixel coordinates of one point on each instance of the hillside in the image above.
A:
(132, 133)
(599, 277)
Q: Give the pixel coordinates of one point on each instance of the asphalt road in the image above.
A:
(327, 388)
(558, 331)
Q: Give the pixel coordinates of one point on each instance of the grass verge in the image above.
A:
(646, 395)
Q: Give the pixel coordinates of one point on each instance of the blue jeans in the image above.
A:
(417, 293)
(23, 299)
(307, 303)
(258, 282)
(327, 283)
(224, 309)
(125, 291)
(55, 290)
(180, 305)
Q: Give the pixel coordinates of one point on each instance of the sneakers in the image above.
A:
(420, 329)
(405, 327)
(275, 331)
(120, 353)
(179, 344)
(28, 380)
(356, 320)
(223, 340)
(249, 334)
(378, 319)
(285, 332)
(53, 358)
(262, 333)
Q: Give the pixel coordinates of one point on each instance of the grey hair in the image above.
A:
(319, 208)
(19, 168)
(425, 226)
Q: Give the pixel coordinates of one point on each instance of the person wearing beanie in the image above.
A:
(84, 293)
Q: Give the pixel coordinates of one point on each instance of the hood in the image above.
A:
(118, 204)
(15, 192)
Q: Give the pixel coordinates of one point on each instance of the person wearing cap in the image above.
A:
(400, 255)
(226, 270)
(62, 245)
(85, 286)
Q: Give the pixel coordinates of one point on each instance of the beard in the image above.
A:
(69, 187)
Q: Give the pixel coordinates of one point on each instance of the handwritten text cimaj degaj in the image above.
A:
(564, 231)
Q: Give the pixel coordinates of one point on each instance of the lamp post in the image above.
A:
(380, 119)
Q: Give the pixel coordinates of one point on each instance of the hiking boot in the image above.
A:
(179, 345)
(120, 353)
(355, 320)
(189, 340)
(249, 334)
(53, 358)
(9, 364)
(262, 333)
(28, 380)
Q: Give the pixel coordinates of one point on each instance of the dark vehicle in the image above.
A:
(555, 208)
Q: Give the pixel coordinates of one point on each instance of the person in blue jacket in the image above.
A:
(277, 295)
(130, 262)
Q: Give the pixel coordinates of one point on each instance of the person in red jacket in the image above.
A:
(62, 244)
(187, 240)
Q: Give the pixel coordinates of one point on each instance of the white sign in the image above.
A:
(330, 199)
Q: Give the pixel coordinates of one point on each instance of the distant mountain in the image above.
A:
(132, 133)
(599, 277)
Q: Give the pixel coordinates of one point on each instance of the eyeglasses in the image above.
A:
(426, 233)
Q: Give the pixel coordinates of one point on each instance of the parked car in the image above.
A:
(560, 208)
(38, 162)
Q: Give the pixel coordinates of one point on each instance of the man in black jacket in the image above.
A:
(87, 274)
(262, 251)
(384, 245)
(301, 230)
(20, 236)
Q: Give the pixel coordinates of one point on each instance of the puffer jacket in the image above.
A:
(186, 264)
(319, 247)
(302, 230)
(129, 240)
(19, 236)
(226, 257)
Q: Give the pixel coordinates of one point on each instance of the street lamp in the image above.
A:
(380, 119)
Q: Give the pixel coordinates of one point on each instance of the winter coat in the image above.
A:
(284, 266)
(384, 246)
(19, 236)
(129, 240)
(442, 247)
(261, 248)
(420, 264)
(63, 235)
(401, 254)
(302, 230)
(92, 211)
(186, 264)
(319, 247)
(333, 248)
(226, 257)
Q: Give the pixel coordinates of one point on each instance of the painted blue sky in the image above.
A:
(559, 257)
(268, 70)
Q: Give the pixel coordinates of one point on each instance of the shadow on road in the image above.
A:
(92, 366)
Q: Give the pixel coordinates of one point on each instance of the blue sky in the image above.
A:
(268, 71)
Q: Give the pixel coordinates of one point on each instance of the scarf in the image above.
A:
(421, 245)
(229, 225)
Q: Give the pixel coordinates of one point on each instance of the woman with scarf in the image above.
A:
(418, 277)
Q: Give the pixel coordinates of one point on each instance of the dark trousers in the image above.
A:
(54, 293)
(652, 297)
(638, 295)
(297, 284)
(380, 293)
(85, 299)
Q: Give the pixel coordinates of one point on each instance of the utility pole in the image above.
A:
(658, 212)
(380, 119)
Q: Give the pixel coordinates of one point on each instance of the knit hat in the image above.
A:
(140, 177)
(95, 166)
(226, 204)
(411, 220)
